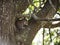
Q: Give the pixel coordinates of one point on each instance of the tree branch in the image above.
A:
(58, 19)
(52, 25)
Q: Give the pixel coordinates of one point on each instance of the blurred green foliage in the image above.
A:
(29, 10)
(55, 36)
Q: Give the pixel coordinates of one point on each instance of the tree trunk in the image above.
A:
(7, 20)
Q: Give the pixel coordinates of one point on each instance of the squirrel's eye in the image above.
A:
(26, 23)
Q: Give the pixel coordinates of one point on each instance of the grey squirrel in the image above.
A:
(21, 24)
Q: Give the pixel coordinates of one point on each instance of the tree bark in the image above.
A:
(7, 20)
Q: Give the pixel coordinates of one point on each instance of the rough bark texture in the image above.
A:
(8, 34)
(7, 22)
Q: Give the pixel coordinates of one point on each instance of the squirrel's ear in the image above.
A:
(21, 18)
